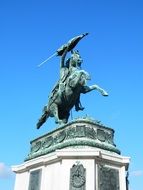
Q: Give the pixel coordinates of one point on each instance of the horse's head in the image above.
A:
(78, 78)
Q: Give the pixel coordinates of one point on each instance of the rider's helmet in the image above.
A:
(75, 60)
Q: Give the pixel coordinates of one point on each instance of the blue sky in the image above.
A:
(31, 30)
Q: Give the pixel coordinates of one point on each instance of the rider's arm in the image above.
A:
(62, 64)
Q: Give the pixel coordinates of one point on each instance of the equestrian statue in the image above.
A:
(72, 83)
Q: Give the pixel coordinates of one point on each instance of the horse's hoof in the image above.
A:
(105, 94)
(79, 109)
(57, 122)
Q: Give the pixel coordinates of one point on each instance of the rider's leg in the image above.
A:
(55, 113)
(78, 105)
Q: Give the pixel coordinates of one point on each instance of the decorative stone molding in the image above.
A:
(81, 132)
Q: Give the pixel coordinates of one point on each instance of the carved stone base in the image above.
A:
(81, 132)
(79, 156)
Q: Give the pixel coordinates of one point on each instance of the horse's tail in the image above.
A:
(43, 118)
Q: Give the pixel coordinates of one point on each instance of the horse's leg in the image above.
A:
(86, 89)
(55, 113)
(101, 90)
(65, 120)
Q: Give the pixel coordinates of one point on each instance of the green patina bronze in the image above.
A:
(78, 177)
(72, 83)
(78, 133)
(35, 180)
(82, 132)
(108, 178)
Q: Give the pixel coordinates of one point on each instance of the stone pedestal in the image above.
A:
(78, 156)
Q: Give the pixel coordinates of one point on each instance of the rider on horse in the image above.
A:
(66, 69)
(71, 84)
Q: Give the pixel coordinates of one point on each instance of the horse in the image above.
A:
(65, 96)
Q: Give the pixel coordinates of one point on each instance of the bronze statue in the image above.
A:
(72, 83)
